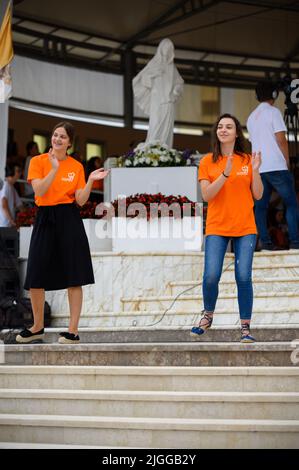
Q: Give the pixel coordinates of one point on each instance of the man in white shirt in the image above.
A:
(9, 198)
(267, 133)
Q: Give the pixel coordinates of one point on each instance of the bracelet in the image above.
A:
(226, 176)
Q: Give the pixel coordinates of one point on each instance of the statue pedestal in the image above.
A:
(174, 181)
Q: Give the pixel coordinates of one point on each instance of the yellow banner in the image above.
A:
(6, 48)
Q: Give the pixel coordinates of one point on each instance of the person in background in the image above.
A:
(93, 164)
(229, 180)
(59, 255)
(278, 228)
(267, 132)
(77, 156)
(9, 198)
(31, 150)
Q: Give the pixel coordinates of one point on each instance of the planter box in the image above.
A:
(99, 234)
(25, 236)
(167, 180)
(165, 234)
(94, 230)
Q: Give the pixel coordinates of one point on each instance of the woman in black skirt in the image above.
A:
(59, 256)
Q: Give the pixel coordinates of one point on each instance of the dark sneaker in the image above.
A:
(68, 338)
(26, 336)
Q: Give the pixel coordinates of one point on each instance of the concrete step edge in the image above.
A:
(258, 280)
(274, 346)
(192, 312)
(259, 326)
(281, 265)
(275, 294)
(185, 311)
(172, 371)
(31, 445)
(168, 424)
(148, 396)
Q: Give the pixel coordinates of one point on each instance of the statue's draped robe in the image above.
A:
(156, 88)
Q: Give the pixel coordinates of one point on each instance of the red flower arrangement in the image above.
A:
(154, 205)
(26, 217)
(88, 210)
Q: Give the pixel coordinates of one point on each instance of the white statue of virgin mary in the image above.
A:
(156, 88)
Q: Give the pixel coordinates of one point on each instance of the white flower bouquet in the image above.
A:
(155, 154)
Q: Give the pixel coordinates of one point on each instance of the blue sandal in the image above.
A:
(245, 334)
(200, 330)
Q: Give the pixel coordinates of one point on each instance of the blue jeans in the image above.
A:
(283, 182)
(215, 249)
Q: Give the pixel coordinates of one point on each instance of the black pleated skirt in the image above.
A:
(59, 255)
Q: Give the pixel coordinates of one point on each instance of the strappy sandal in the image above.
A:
(245, 334)
(204, 324)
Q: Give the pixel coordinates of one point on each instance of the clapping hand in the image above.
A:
(53, 159)
(99, 174)
(256, 160)
(229, 165)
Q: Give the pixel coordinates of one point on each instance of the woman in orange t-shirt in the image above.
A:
(230, 181)
(59, 256)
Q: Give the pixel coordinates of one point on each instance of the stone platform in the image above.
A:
(136, 289)
(138, 380)
(149, 407)
(153, 354)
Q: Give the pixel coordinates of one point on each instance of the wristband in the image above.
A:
(226, 176)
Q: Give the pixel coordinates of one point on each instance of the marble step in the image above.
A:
(262, 300)
(187, 317)
(288, 270)
(159, 378)
(152, 432)
(260, 284)
(283, 256)
(260, 257)
(154, 354)
(264, 333)
(203, 405)
(42, 445)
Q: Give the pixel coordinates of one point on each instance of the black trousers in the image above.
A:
(59, 255)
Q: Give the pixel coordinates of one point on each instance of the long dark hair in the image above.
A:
(69, 129)
(241, 145)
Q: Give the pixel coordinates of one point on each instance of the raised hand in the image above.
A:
(229, 165)
(53, 159)
(99, 174)
(256, 160)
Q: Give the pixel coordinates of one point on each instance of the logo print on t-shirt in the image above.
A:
(70, 177)
(244, 171)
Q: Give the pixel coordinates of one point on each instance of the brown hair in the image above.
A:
(69, 129)
(241, 145)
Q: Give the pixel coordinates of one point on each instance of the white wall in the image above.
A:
(69, 87)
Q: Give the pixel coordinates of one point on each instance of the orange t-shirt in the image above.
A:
(69, 178)
(230, 212)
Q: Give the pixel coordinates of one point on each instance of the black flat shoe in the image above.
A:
(26, 336)
(68, 338)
